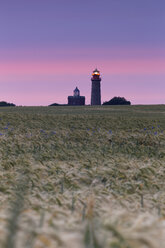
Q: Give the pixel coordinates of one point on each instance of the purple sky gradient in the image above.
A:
(48, 47)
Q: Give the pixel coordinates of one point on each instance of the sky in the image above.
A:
(48, 47)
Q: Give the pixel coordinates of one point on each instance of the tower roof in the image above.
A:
(96, 72)
(76, 90)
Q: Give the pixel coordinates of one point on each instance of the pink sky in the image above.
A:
(42, 82)
(77, 67)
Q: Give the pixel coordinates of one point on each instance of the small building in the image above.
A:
(76, 99)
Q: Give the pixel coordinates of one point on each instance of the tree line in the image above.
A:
(114, 101)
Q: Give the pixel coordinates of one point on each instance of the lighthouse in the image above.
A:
(96, 90)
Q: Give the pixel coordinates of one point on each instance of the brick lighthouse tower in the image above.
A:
(96, 91)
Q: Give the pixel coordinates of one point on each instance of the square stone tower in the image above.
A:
(76, 99)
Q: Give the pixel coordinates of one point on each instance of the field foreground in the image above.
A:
(82, 177)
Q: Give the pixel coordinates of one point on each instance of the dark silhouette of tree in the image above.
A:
(5, 104)
(117, 101)
(54, 104)
(57, 104)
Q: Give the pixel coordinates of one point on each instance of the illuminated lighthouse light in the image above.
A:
(96, 72)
